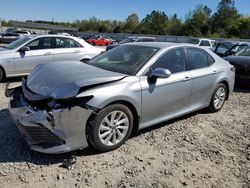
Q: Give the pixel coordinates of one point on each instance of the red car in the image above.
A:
(99, 41)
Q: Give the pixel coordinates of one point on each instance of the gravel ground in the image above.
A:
(198, 150)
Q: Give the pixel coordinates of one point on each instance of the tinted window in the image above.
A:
(204, 43)
(197, 58)
(174, 60)
(41, 43)
(222, 48)
(66, 43)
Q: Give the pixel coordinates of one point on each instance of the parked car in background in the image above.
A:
(23, 32)
(21, 56)
(207, 43)
(133, 39)
(226, 48)
(66, 106)
(11, 37)
(99, 41)
(241, 61)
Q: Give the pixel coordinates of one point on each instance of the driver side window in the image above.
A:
(174, 60)
(40, 44)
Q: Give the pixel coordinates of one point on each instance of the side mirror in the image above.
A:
(24, 49)
(160, 73)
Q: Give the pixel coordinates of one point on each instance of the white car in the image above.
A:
(22, 56)
(207, 43)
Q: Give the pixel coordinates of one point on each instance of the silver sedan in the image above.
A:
(22, 56)
(69, 105)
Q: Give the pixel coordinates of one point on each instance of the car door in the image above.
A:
(67, 49)
(203, 76)
(41, 51)
(166, 97)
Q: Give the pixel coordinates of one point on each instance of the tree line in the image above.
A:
(226, 22)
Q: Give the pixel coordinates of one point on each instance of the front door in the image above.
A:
(167, 97)
(41, 52)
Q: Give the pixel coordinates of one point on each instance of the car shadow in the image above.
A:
(238, 88)
(14, 79)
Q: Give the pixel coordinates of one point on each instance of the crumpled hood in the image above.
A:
(238, 60)
(61, 80)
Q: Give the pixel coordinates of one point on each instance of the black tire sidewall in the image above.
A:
(95, 124)
(1, 74)
(212, 108)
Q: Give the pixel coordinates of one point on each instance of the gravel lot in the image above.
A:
(198, 150)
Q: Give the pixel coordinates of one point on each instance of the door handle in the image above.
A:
(48, 53)
(77, 51)
(187, 78)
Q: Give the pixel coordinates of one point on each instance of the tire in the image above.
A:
(218, 98)
(104, 134)
(2, 75)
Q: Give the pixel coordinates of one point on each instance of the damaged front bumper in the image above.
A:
(55, 131)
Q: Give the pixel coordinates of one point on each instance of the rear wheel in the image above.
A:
(218, 98)
(2, 74)
(111, 128)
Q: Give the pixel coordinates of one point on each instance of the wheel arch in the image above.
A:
(132, 108)
(227, 87)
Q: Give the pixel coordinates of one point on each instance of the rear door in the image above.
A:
(203, 76)
(67, 49)
(41, 51)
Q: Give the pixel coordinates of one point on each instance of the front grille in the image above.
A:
(42, 137)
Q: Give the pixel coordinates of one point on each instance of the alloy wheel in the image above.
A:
(113, 128)
(219, 97)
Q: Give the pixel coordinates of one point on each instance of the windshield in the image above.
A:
(17, 43)
(127, 40)
(193, 41)
(244, 52)
(126, 59)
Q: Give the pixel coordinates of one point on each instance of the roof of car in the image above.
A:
(141, 37)
(160, 45)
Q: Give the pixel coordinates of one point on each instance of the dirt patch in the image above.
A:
(198, 150)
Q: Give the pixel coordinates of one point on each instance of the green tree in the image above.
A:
(198, 22)
(132, 23)
(154, 23)
(225, 20)
(174, 25)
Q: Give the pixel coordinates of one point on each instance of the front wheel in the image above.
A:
(218, 98)
(111, 128)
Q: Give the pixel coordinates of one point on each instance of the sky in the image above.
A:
(70, 10)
